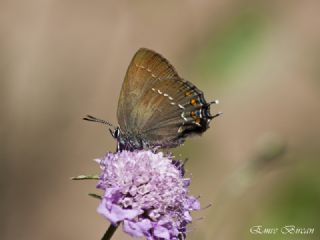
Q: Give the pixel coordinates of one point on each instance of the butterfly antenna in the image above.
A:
(94, 119)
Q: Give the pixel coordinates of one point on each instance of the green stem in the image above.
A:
(109, 233)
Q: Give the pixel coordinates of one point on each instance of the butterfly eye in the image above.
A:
(117, 133)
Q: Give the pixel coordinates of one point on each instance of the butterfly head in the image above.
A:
(116, 134)
(114, 131)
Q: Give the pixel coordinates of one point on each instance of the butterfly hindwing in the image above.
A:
(175, 111)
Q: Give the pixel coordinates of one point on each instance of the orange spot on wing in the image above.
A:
(193, 102)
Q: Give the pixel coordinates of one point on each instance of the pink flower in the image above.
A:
(147, 192)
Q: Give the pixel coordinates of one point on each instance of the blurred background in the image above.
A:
(258, 164)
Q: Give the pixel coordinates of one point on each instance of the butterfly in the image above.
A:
(156, 107)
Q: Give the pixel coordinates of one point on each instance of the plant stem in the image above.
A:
(109, 233)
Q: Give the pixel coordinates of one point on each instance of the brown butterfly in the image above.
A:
(156, 107)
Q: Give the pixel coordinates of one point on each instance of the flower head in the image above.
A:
(147, 192)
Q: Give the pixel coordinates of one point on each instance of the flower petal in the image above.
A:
(161, 232)
(115, 213)
(137, 229)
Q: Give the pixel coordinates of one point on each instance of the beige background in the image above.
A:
(257, 164)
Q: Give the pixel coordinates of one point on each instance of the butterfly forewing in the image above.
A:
(158, 108)
(145, 69)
